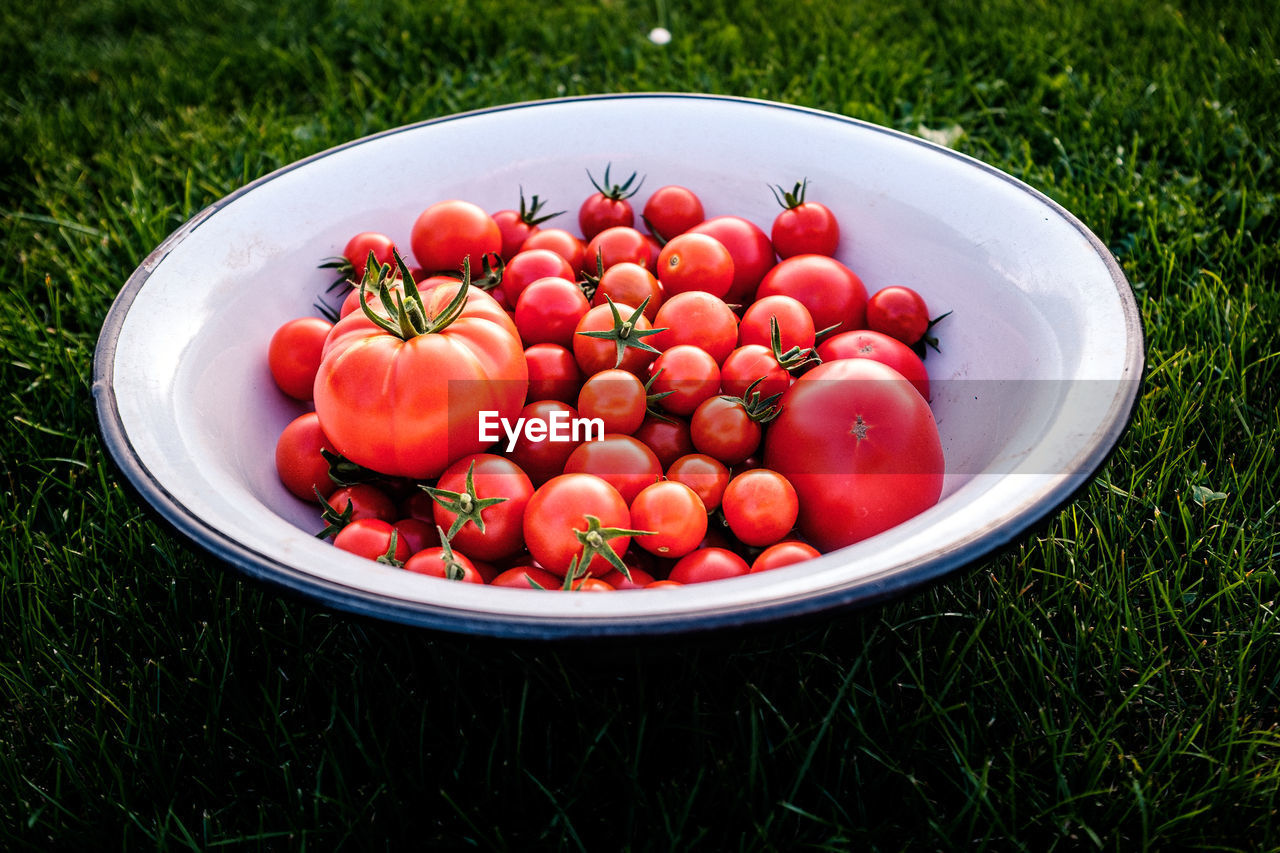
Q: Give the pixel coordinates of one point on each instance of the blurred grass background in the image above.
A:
(1110, 682)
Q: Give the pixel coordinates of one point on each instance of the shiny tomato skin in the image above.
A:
(866, 343)
(898, 312)
(795, 323)
(706, 475)
(808, 228)
(417, 534)
(366, 500)
(561, 242)
(494, 477)
(748, 363)
(833, 293)
(527, 577)
(293, 355)
(548, 311)
(722, 429)
(676, 515)
(639, 577)
(542, 460)
(667, 437)
(431, 562)
(553, 373)
(595, 355)
(860, 446)
(371, 538)
(409, 408)
(671, 211)
(618, 245)
(598, 213)
(623, 461)
(708, 564)
(687, 375)
(695, 262)
(616, 397)
(358, 248)
(752, 252)
(529, 265)
(559, 507)
(760, 506)
(450, 231)
(630, 284)
(785, 553)
(698, 318)
(298, 461)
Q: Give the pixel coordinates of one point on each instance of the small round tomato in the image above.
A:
(517, 225)
(483, 490)
(708, 564)
(373, 539)
(294, 354)
(298, 461)
(548, 311)
(686, 375)
(417, 534)
(553, 373)
(760, 506)
(561, 242)
(364, 500)
(699, 318)
(639, 577)
(671, 211)
(623, 461)
(833, 293)
(722, 428)
(747, 364)
(614, 335)
(630, 284)
(449, 232)
(563, 508)
(544, 459)
(620, 244)
(898, 312)
(527, 577)
(439, 562)
(608, 206)
(676, 514)
(667, 437)
(803, 227)
(528, 266)
(617, 398)
(751, 250)
(706, 475)
(878, 347)
(695, 262)
(358, 248)
(795, 323)
(784, 553)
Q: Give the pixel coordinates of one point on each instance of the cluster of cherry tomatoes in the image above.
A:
(663, 399)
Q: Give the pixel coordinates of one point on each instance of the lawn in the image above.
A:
(1110, 681)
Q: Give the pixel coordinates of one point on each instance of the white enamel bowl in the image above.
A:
(1036, 380)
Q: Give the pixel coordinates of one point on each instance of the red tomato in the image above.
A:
(298, 461)
(750, 363)
(410, 406)
(499, 491)
(438, 563)
(722, 428)
(542, 460)
(372, 538)
(668, 438)
(562, 243)
(620, 244)
(364, 500)
(663, 584)
(673, 510)
(449, 232)
(639, 577)
(560, 509)
(607, 206)
(832, 292)
(687, 375)
(517, 225)
(526, 577)
(878, 347)
(528, 266)
(630, 284)
(417, 534)
(553, 373)
(784, 553)
(671, 211)
(861, 448)
(614, 335)
(803, 227)
(616, 397)
(795, 323)
(697, 318)
(751, 250)
(706, 475)
(293, 355)
(708, 564)
(623, 461)
(898, 312)
(760, 506)
(548, 311)
(358, 248)
(695, 262)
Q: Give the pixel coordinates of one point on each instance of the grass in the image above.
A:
(1111, 681)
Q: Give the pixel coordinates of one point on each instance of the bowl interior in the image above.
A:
(1037, 370)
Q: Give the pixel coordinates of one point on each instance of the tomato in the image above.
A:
(675, 512)
(591, 585)
(614, 335)
(362, 500)
(542, 460)
(795, 323)
(639, 577)
(706, 475)
(663, 584)
(373, 539)
(298, 461)
(442, 562)
(623, 461)
(667, 437)
(528, 266)
(449, 232)
(760, 506)
(671, 211)
(553, 373)
(687, 375)
(861, 448)
(785, 553)
(558, 526)
(293, 355)
(409, 406)
(803, 227)
(616, 397)
(417, 534)
(708, 564)
(517, 225)
(751, 250)
(562, 243)
(608, 206)
(483, 491)
(548, 311)
(698, 318)
(832, 292)
(723, 428)
(695, 262)
(358, 248)
(526, 577)
(898, 312)
(630, 284)
(620, 244)
(881, 348)
(747, 364)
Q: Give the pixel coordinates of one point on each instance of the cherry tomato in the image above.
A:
(803, 227)
(881, 348)
(751, 250)
(616, 397)
(417, 534)
(785, 553)
(438, 563)
(542, 460)
(293, 355)
(698, 318)
(448, 232)
(562, 243)
(667, 437)
(722, 428)
(795, 323)
(706, 475)
(630, 284)
(517, 225)
(638, 580)
(499, 492)
(527, 577)
(620, 244)
(548, 311)
(692, 261)
(687, 375)
(625, 326)
(372, 538)
(559, 510)
(365, 501)
(298, 461)
(675, 512)
(358, 248)
(623, 461)
(708, 564)
(608, 206)
(898, 312)
(747, 364)
(760, 506)
(671, 211)
(528, 266)
(832, 292)
(553, 373)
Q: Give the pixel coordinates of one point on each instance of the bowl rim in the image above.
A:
(985, 541)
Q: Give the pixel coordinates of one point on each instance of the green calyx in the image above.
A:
(793, 199)
(465, 505)
(530, 214)
(795, 360)
(615, 192)
(405, 315)
(625, 333)
(595, 540)
(759, 410)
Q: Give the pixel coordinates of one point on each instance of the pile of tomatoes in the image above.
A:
(659, 399)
